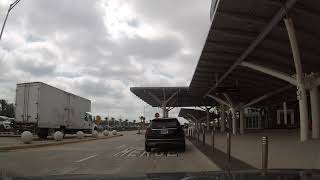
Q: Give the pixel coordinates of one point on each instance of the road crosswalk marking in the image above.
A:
(134, 152)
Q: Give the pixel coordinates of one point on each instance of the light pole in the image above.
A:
(5, 20)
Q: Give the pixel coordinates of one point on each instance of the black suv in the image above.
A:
(164, 132)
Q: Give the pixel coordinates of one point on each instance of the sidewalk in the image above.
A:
(285, 149)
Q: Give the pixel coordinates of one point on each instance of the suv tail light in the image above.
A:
(148, 131)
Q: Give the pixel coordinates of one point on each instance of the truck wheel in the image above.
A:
(43, 133)
(63, 131)
(1, 128)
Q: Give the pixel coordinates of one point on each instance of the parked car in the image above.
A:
(164, 132)
(5, 124)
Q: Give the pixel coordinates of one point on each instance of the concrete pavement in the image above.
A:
(123, 156)
(286, 151)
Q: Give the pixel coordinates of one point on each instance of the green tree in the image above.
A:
(6, 109)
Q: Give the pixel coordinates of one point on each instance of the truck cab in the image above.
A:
(89, 119)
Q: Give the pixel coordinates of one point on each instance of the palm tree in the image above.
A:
(106, 122)
(120, 122)
(112, 120)
(126, 122)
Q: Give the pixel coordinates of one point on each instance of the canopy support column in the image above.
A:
(207, 117)
(234, 122)
(222, 118)
(285, 116)
(301, 92)
(242, 118)
(315, 108)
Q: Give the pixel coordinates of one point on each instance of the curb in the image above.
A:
(7, 148)
(9, 135)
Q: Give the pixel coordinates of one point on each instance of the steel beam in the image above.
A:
(155, 98)
(266, 30)
(228, 98)
(265, 96)
(236, 33)
(172, 96)
(243, 17)
(271, 72)
(201, 108)
(219, 100)
(170, 108)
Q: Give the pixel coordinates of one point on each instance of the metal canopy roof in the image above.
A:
(192, 114)
(243, 31)
(183, 98)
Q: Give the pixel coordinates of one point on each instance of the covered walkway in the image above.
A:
(259, 64)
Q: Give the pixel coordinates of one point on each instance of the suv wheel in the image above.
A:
(147, 148)
(183, 148)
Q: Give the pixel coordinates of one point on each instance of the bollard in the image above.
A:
(264, 155)
(198, 134)
(193, 134)
(212, 140)
(229, 146)
(203, 137)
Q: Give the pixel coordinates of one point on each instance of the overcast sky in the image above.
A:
(99, 49)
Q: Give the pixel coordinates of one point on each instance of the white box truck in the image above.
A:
(44, 109)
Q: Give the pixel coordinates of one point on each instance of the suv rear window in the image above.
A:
(164, 123)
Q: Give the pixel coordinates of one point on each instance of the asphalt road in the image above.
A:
(120, 156)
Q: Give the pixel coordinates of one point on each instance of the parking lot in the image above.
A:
(123, 155)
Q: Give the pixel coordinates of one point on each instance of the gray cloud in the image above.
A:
(150, 49)
(69, 44)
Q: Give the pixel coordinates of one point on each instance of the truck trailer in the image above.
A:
(44, 109)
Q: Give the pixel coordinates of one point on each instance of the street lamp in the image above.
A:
(5, 20)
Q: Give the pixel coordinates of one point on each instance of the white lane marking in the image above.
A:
(145, 154)
(68, 171)
(120, 147)
(135, 152)
(87, 158)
